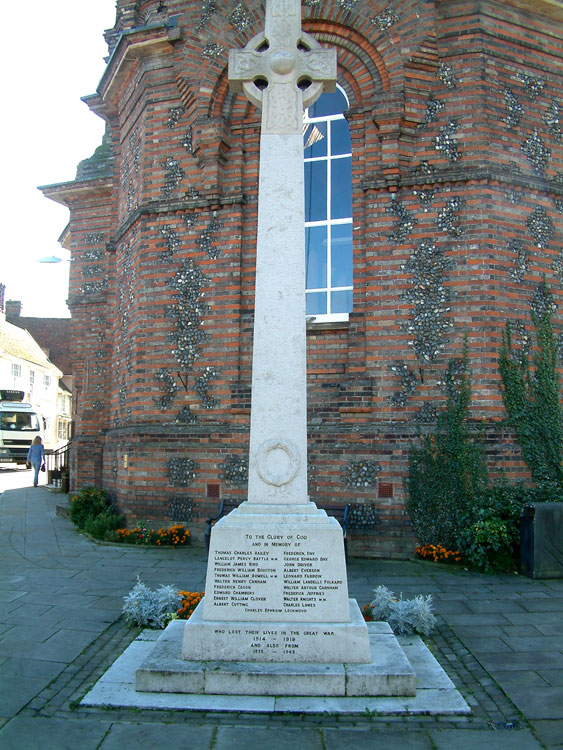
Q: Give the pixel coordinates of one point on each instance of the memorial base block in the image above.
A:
(315, 642)
(388, 672)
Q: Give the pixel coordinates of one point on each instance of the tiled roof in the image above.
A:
(53, 335)
(17, 342)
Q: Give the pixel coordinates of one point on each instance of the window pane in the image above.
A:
(329, 104)
(341, 255)
(316, 303)
(315, 255)
(314, 140)
(341, 193)
(19, 421)
(340, 142)
(315, 190)
(341, 302)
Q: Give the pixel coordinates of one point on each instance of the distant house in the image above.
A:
(52, 335)
(24, 366)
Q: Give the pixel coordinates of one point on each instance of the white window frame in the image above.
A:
(65, 405)
(328, 317)
(62, 429)
(16, 370)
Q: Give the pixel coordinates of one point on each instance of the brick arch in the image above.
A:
(362, 71)
(353, 46)
(222, 102)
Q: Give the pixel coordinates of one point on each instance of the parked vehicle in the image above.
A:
(19, 424)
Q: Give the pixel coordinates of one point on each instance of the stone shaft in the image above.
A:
(278, 423)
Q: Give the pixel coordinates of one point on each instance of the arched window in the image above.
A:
(328, 207)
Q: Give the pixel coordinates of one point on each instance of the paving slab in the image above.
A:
(550, 628)
(495, 605)
(535, 643)
(41, 733)
(553, 604)
(521, 678)
(521, 631)
(25, 613)
(549, 732)
(22, 638)
(478, 644)
(360, 739)
(525, 660)
(539, 703)
(156, 735)
(534, 618)
(19, 694)
(10, 596)
(477, 618)
(64, 645)
(470, 739)
(474, 631)
(453, 605)
(21, 668)
(280, 738)
(553, 677)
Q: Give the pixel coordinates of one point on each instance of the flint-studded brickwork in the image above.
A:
(458, 182)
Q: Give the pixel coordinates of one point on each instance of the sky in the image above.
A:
(52, 54)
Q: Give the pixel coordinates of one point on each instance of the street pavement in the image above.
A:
(499, 638)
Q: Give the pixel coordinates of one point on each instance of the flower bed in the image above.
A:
(190, 600)
(175, 536)
(437, 553)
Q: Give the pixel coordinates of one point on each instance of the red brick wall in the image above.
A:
(177, 211)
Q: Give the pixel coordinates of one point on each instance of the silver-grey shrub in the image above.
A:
(405, 616)
(147, 608)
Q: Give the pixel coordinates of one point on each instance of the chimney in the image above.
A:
(13, 308)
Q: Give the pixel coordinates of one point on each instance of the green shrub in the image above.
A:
(488, 544)
(531, 399)
(88, 503)
(99, 526)
(91, 511)
(447, 471)
(544, 492)
(491, 537)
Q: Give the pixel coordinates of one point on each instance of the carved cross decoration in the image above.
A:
(282, 70)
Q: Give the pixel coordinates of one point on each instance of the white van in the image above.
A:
(19, 424)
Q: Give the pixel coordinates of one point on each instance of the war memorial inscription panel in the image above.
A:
(277, 575)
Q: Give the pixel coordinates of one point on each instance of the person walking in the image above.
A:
(36, 457)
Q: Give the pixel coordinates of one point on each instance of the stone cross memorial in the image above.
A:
(276, 617)
(277, 558)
